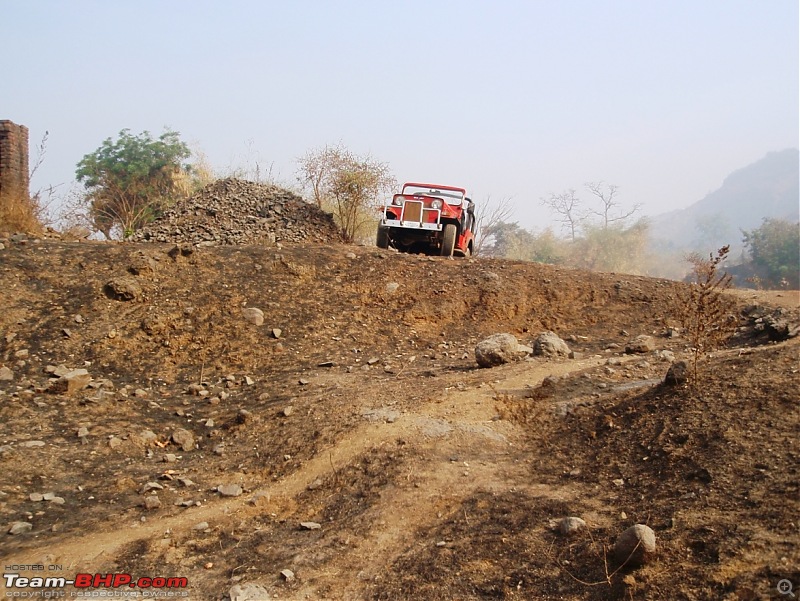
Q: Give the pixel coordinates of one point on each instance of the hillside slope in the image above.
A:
(348, 446)
(769, 187)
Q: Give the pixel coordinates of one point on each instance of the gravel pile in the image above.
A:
(234, 212)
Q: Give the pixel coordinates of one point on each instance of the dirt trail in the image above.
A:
(358, 405)
(459, 424)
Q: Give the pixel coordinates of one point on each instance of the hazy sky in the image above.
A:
(517, 99)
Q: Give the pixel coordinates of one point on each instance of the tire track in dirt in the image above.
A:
(458, 423)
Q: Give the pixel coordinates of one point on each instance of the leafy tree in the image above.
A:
(506, 240)
(346, 184)
(775, 252)
(510, 241)
(129, 181)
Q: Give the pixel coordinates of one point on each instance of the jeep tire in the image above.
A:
(382, 239)
(448, 240)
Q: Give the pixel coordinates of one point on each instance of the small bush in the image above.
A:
(706, 314)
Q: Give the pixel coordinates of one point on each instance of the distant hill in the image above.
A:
(767, 188)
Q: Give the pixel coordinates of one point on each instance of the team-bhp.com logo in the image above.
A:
(94, 581)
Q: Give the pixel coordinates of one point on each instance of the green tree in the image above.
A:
(775, 252)
(347, 185)
(611, 247)
(511, 241)
(506, 240)
(130, 180)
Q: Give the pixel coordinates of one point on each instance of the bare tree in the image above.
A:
(487, 217)
(346, 184)
(316, 166)
(566, 205)
(607, 194)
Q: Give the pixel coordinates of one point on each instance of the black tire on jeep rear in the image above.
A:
(448, 240)
(382, 239)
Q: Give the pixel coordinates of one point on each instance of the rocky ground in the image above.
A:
(310, 422)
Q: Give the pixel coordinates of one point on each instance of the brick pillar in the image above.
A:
(13, 161)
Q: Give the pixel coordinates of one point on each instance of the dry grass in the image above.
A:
(19, 212)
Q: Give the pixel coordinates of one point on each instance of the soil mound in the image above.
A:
(236, 212)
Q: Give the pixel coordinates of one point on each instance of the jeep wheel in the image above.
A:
(382, 240)
(448, 240)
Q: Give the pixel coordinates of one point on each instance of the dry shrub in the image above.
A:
(706, 314)
(19, 212)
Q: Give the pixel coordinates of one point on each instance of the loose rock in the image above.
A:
(20, 528)
(253, 315)
(124, 289)
(499, 349)
(678, 374)
(548, 344)
(71, 382)
(640, 344)
(571, 525)
(636, 546)
(150, 486)
(184, 439)
(229, 490)
(248, 592)
(152, 502)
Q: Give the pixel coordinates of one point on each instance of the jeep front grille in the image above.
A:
(412, 211)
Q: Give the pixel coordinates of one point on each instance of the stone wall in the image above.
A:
(13, 160)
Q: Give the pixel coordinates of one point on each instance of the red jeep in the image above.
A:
(429, 218)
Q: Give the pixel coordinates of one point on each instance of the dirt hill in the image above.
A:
(310, 423)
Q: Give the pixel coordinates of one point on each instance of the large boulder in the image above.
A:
(499, 349)
(548, 344)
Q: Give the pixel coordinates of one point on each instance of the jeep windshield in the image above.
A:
(451, 197)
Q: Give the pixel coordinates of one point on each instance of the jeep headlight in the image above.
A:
(397, 200)
(436, 204)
